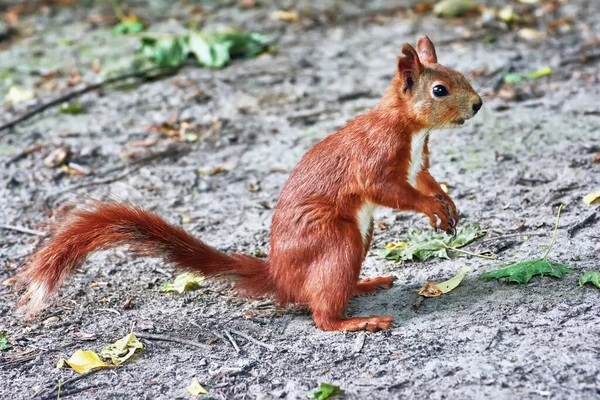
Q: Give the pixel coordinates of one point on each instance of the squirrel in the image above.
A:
(323, 222)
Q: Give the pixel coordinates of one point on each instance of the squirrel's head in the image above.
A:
(436, 96)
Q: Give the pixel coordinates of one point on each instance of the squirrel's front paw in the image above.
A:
(452, 211)
(440, 209)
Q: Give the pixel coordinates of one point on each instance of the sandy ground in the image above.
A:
(508, 171)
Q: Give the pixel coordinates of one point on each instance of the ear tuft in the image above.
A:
(409, 67)
(426, 51)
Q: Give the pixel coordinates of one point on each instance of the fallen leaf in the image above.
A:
(508, 15)
(430, 289)
(544, 71)
(122, 349)
(211, 49)
(196, 388)
(421, 246)
(57, 157)
(592, 198)
(592, 277)
(325, 391)
(454, 8)
(596, 159)
(286, 16)
(512, 78)
(530, 34)
(522, 272)
(453, 282)
(184, 283)
(128, 25)
(83, 361)
(4, 345)
(18, 94)
(421, 8)
(167, 51)
(71, 108)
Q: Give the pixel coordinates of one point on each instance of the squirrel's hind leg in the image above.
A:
(333, 280)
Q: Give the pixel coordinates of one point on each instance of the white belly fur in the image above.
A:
(416, 156)
(364, 218)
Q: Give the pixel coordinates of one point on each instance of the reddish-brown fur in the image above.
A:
(317, 247)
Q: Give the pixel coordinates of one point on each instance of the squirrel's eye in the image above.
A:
(439, 91)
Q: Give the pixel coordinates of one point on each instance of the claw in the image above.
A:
(451, 231)
(452, 222)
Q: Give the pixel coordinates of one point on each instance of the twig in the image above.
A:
(495, 338)
(582, 224)
(136, 165)
(110, 310)
(79, 92)
(554, 234)
(511, 236)
(65, 393)
(18, 361)
(22, 230)
(233, 342)
(255, 341)
(52, 393)
(152, 336)
(469, 253)
(417, 303)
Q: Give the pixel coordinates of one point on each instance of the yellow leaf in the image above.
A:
(18, 95)
(592, 198)
(452, 283)
(531, 34)
(398, 245)
(83, 361)
(196, 388)
(122, 349)
(183, 283)
(286, 16)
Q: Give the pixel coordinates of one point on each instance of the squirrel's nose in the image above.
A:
(477, 106)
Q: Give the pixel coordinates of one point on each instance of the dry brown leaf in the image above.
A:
(430, 289)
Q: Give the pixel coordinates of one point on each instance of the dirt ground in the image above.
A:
(525, 153)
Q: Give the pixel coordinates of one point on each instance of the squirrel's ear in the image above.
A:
(409, 67)
(426, 51)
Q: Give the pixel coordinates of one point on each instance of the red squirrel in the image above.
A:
(322, 225)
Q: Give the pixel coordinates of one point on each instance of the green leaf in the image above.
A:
(592, 277)
(71, 108)
(423, 245)
(208, 51)
(122, 349)
(168, 51)
(512, 78)
(212, 49)
(4, 345)
(325, 391)
(523, 271)
(183, 283)
(128, 27)
(454, 8)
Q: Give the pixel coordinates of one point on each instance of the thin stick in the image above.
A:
(79, 92)
(22, 230)
(555, 230)
(469, 253)
(71, 392)
(164, 338)
(255, 341)
(233, 342)
(512, 235)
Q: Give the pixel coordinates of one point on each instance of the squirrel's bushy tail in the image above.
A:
(106, 225)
